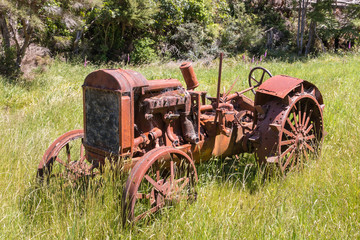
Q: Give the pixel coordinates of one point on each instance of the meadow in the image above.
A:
(235, 201)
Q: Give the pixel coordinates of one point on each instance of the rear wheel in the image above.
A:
(301, 134)
(291, 135)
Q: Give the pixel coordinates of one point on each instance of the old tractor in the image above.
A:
(158, 130)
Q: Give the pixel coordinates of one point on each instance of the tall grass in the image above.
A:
(234, 199)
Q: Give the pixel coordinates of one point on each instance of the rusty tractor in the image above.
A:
(158, 129)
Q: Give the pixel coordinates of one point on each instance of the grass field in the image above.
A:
(234, 200)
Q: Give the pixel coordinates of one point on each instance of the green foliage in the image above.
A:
(143, 51)
(193, 41)
(114, 26)
(111, 30)
(196, 11)
(240, 30)
(8, 64)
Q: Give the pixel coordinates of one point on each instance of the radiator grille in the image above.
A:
(102, 119)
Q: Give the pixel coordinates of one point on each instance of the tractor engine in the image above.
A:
(126, 115)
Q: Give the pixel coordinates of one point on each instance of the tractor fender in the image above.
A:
(280, 86)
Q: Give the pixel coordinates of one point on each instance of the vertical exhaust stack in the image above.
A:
(189, 76)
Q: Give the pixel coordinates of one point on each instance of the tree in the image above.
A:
(24, 21)
(114, 27)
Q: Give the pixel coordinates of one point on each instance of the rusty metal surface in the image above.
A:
(189, 75)
(279, 85)
(289, 132)
(165, 186)
(161, 84)
(143, 123)
(74, 166)
(117, 79)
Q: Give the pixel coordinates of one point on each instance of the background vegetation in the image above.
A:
(234, 201)
(143, 31)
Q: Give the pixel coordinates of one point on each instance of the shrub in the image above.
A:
(143, 51)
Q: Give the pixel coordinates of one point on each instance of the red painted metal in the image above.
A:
(148, 125)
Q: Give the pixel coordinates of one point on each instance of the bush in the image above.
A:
(143, 51)
(8, 66)
(241, 30)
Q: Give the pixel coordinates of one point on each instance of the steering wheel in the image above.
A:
(255, 74)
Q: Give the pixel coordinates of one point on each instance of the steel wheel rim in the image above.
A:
(65, 159)
(155, 189)
(301, 134)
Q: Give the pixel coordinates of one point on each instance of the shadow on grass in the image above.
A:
(242, 172)
(62, 202)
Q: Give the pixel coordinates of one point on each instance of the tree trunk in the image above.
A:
(311, 40)
(303, 22)
(299, 23)
(321, 42)
(27, 37)
(336, 43)
(4, 31)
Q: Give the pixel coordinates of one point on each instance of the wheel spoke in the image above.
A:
(293, 162)
(294, 117)
(309, 137)
(262, 77)
(287, 142)
(309, 147)
(156, 185)
(180, 179)
(254, 79)
(309, 128)
(287, 151)
(184, 184)
(289, 158)
(304, 115)
(61, 162)
(290, 134)
(68, 153)
(299, 116)
(291, 125)
(308, 119)
(150, 211)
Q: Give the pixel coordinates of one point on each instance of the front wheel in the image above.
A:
(162, 177)
(65, 159)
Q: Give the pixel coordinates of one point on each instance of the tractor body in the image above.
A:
(160, 129)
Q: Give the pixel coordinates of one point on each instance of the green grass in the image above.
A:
(234, 202)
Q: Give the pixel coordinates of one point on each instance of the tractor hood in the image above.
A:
(115, 79)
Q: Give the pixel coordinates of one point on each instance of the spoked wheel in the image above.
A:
(65, 159)
(292, 134)
(257, 76)
(163, 177)
(301, 134)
